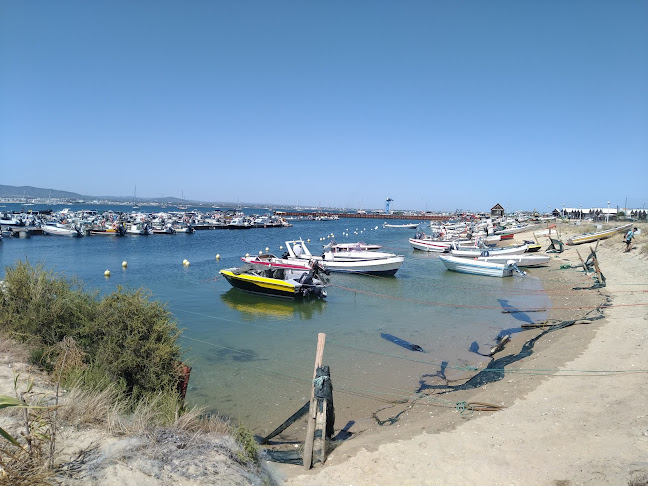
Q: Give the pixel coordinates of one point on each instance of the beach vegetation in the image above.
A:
(122, 339)
(116, 358)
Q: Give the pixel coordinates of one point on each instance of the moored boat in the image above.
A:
(297, 284)
(60, 229)
(480, 251)
(361, 261)
(476, 267)
(523, 260)
(406, 225)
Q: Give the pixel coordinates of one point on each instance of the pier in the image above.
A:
(315, 214)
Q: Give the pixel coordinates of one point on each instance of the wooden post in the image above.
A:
(581, 259)
(310, 432)
(321, 424)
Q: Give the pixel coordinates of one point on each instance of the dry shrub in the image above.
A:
(98, 406)
(68, 357)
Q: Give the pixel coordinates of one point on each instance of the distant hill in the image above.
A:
(37, 192)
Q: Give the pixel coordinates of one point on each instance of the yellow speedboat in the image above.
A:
(279, 282)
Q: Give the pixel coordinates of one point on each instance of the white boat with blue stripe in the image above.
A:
(478, 267)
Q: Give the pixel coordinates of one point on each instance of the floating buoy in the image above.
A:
(185, 262)
(107, 273)
(247, 255)
(217, 256)
(124, 264)
(308, 240)
(260, 252)
(281, 247)
(267, 249)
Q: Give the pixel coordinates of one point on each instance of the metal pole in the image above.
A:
(607, 216)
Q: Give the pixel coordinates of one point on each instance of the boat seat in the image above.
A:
(555, 247)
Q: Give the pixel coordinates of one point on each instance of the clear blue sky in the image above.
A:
(436, 104)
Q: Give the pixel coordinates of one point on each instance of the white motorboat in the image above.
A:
(480, 251)
(407, 225)
(352, 261)
(430, 244)
(476, 267)
(139, 229)
(352, 246)
(523, 260)
(60, 229)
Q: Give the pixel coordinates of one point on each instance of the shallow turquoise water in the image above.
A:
(252, 356)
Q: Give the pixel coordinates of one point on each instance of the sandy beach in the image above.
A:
(577, 415)
(573, 407)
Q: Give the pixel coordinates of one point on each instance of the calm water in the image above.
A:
(252, 356)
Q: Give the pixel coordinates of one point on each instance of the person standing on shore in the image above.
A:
(628, 239)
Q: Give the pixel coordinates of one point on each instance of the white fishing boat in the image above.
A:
(359, 245)
(430, 244)
(352, 261)
(487, 251)
(60, 229)
(599, 235)
(476, 267)
(139, 229)
(524, 260)
(406, 225)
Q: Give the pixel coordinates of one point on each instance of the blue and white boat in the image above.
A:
(478, 267)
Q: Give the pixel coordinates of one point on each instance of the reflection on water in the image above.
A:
(253, 307)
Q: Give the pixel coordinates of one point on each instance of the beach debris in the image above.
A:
(402, 342)
(500, 345)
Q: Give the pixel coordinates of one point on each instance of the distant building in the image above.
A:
(497, 211)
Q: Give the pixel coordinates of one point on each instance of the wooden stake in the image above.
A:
(581, 259)
(310, 432)
(321, 425)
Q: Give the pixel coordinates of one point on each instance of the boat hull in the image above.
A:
(475, 267)
(430, 245)
(285, 288)
(524, 260)
(600, 235)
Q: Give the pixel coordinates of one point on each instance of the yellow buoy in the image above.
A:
(281, 247)
(124, 264)
(217, 256)
(107, 273)
(260, 252)
(186, 263)
(308, 240)
(267, 249)
(247, 255)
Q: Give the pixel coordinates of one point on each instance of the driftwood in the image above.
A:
(500, 345)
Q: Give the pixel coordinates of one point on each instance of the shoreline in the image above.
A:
(415, 449)
(554, 425)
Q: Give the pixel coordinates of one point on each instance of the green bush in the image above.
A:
(126, 338)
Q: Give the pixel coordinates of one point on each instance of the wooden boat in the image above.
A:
(352, 261)
(277, 282)
(599, 235)
(476, 267)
